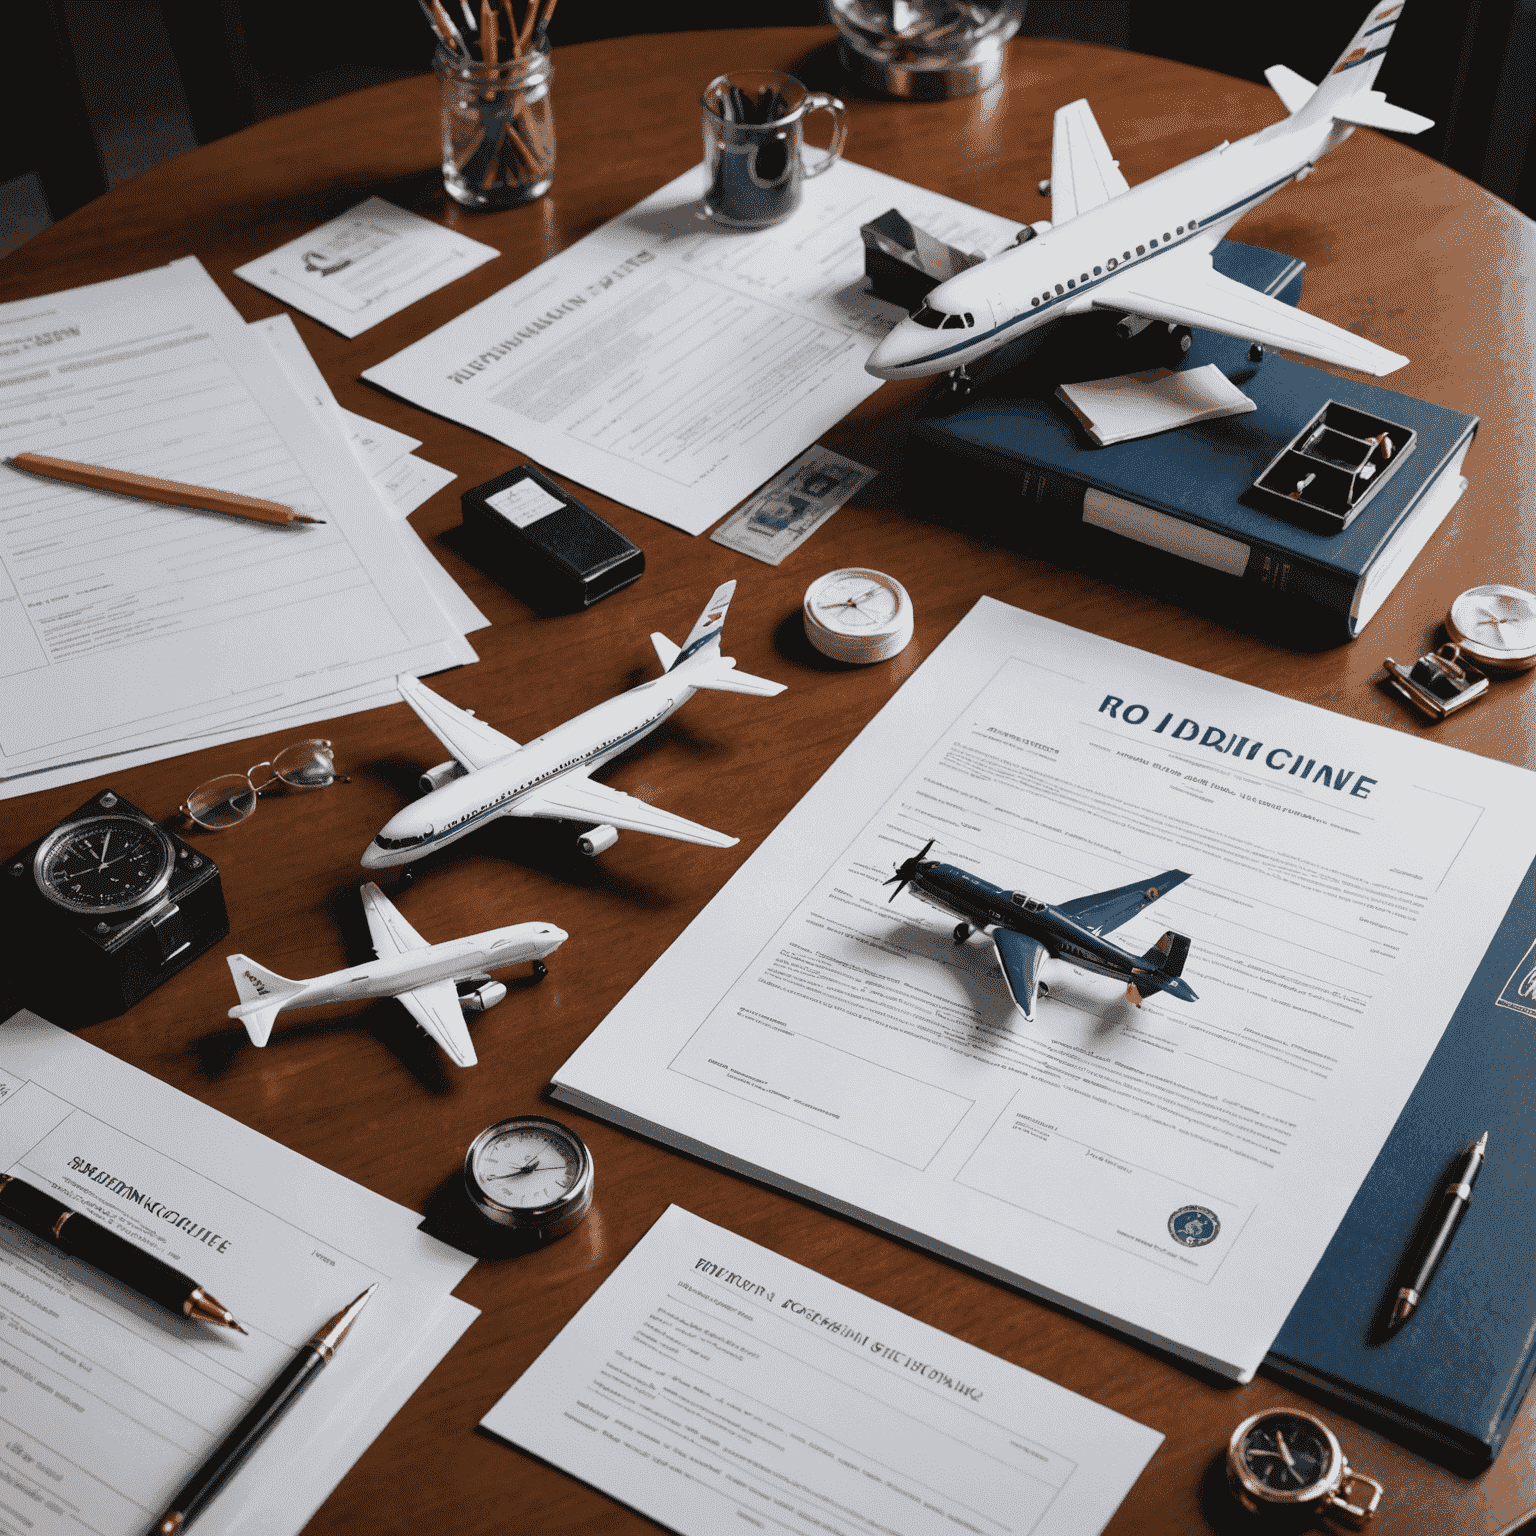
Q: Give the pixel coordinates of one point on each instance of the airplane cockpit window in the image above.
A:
(970, 319)
(1019, 899)
(400, 842)
(932, 318)
(953, 323)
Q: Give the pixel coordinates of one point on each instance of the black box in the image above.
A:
(555, 553)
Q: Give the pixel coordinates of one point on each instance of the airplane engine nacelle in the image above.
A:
(598, 840)
(483, 993)
(444, 773)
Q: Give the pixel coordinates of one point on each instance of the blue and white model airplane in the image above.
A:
(1026, 933)
(491, 775)
(439, 984)
(1145, 252)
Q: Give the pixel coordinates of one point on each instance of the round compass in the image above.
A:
(104, 865)
(858, 615)
(531, 1174)
(1496, 627)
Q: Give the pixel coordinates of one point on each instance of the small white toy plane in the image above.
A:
(1145, 253)
(491, 775)
(427, 978)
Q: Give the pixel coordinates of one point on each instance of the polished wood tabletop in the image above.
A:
(1398, 248)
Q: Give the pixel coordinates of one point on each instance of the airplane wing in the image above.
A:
(1083, 172)
(576, 798)
(1107, 910)
(472, 742)
(390, 932)
(1192, 292)
(1022, 959)
(436, 1008)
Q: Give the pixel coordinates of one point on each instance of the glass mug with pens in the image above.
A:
(754, 135)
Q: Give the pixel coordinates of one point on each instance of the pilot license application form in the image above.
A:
(1176, 1169)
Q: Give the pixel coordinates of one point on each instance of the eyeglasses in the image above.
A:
(227, 800)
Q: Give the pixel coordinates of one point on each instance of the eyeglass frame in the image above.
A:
(184, 809)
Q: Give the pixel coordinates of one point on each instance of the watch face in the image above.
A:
(1495, 626)
(105, 865)
(858, 615)
(530, 1172)
(1286, 1454)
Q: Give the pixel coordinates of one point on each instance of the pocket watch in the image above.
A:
(1496, 627)
(103, 864)
(530, 1174)
(1284, 1459)
(858, 615)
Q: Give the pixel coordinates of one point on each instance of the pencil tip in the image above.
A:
(238, 1329)
(301, 517)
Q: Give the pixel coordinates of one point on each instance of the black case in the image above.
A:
(76, 969)
(563, 561)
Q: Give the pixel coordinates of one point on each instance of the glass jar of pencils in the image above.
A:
(498, 128)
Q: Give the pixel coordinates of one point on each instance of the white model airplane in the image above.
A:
(491, 775)
(425, 977)
(1145, 253)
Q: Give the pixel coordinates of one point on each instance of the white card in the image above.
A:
(365, 266)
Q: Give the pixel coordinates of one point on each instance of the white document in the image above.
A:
(124, 625)
(674, 365)
(713, 1384)
(110, 1403)
(1158, 400)
(812, 1031)
(365, 266)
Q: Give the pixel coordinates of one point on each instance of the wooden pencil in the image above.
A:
(150, 488)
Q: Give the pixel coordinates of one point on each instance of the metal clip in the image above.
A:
(1337, 1505)
(1439, 683)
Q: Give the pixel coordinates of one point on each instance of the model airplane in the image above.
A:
(1145, 253)
(439, 984)
(1026, 933)
(491, 775)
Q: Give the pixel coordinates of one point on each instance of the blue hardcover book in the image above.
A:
(1455, 1374)
(1018, 463)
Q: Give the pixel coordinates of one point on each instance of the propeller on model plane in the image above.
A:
(908, 868)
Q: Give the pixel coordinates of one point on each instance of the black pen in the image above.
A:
(1420, 1269)
(225, 1459)
(53, 1221)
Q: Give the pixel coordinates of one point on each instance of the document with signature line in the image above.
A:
(1173, 1168)
(713, 1385)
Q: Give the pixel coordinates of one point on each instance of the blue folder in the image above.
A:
(1455, 1375)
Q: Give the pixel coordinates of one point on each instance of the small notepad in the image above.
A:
(1141, 404)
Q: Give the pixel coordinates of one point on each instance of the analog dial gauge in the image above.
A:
(858, 615)
(530, 1173)
(105, 865)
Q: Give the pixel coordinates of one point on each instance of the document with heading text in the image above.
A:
(1174, 1169)
(674, 365)
(713, 1384)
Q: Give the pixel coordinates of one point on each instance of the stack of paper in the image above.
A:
(1143, 404)
(113, 1403)
(131, 631)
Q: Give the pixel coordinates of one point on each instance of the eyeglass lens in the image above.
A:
(222, 802)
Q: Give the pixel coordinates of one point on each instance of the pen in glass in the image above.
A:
(80, 1237)
(1425, 1259)
(174, 493)
(226, 1457)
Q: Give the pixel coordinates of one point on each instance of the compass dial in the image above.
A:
(106, 865)
(531, 1173)
(1496, 627)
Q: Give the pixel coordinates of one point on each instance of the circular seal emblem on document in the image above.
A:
(1193, 1226)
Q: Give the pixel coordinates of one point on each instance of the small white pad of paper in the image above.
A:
(1142, 404)
(524, 502)
(365, 266)
(713, 1384)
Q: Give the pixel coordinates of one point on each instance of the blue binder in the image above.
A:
(1455, 1375)
(1016, 454)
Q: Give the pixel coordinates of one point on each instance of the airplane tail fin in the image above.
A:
(721, 674)
(1168, 954)
(704, 638)
(1345, 94)
(262, 994)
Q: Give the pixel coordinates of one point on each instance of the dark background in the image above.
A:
(102, 89)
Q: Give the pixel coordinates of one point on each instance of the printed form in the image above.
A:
(107, 1402)
(674, 365)
(127, 624)
(712, 1384)
(1175, 1169)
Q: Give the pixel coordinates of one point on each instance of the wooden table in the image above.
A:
(1398, 247)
